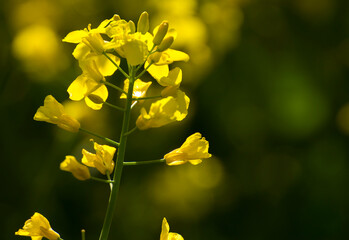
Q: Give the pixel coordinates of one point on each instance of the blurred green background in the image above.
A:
(268, 82)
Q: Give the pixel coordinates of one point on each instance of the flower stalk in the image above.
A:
(119, 160)
(99, 136)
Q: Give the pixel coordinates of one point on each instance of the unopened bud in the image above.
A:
(165, 44)
(155, 57)
(95, 98)
(116, 17)
(143, 23)
(161, 33)
(132, 26)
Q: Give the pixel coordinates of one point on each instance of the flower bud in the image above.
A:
(95, 98)
(161, 33)
(132, 26)
(143, 23)
(165, 44)
(155, 57)
(116, 17)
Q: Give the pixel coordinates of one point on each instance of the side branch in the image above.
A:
(162, 160)
(101, 137)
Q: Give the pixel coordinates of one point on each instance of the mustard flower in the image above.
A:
(91, 37)
(166, 234)
(89, 83)
(102, 159)
(164, 111)
(139, 89)
(134, 47)
(193, 150)
(79, 171)
(160, 68)
(38, 227)
(92, 45)
(53, 112)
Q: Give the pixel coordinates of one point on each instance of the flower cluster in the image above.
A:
(99, 52)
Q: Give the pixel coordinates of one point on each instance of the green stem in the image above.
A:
(111, 181)
(145, 98)
(132, 130)
(119, 160)
(113, 86)
(144, 162)
(101, 137)
(101, 180)
(113, 106)
(116, 65)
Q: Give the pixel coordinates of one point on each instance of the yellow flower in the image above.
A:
(139, 89)
(91, 37)
(102, 160)
(83, 53)
(164, 111)
(160, 68)
(92, 45)
(193, 150)
(134, 47)
(166, 234)
(89, 83)
(78, 170)
(38, 227)
(53, 112)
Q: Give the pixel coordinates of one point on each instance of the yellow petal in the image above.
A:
(177, 55)
(157, 72)
(75, 36)
(174, 78)
(182, 105)
(165, 228)
(79, 171)
(135, 51)
(88, 158)
(104, 65)
(78, 88)
(101, 93)
(81, 51)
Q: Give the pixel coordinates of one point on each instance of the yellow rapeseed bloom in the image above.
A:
(53, 112)
(164, 111)
(139, 88)
(134, 47)
(102, 160)
(166, 234)
(89, 83)
(38, 227)
(160, 69)
(91, 37)
(90, 46)
(193, 150)
(79, 171)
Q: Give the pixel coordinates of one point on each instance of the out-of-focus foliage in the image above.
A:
(268, 83)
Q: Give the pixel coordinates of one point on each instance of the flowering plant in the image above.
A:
(100, 52)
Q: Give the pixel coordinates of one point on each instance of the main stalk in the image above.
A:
(119, 159)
